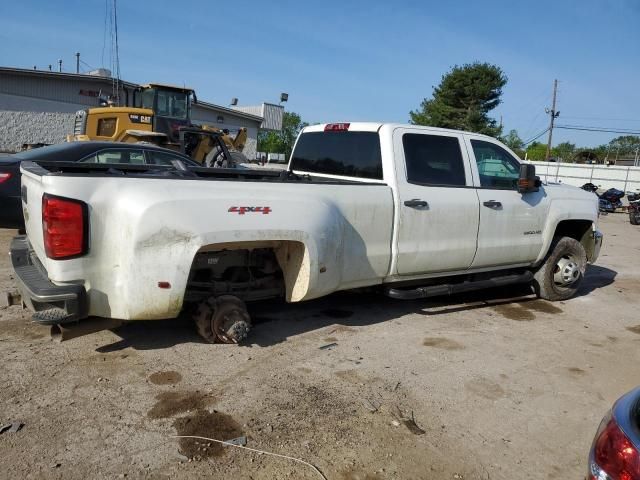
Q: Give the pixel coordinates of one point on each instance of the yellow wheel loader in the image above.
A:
(161, 114)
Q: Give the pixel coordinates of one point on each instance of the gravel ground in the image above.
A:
(495, 385)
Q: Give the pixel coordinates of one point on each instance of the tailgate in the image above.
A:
(32, 190)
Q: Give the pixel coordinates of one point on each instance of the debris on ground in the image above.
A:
(242, 441)
(328, 346)
(12, 427)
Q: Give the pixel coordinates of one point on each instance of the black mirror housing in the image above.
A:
(528, 182)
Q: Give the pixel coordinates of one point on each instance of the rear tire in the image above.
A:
(559, 277)
(633, 217)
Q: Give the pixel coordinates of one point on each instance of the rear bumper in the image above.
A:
(51, 303)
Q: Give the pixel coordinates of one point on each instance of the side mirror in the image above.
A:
(528, 182)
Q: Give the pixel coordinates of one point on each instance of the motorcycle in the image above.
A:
(609, 201)
(634, 209)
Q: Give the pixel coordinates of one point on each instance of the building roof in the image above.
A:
(64, 75)
(230, 111)
(124, 83)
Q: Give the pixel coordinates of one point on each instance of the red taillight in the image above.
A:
(336, 127)
(4, 177)
(614, 455)
(64, 227)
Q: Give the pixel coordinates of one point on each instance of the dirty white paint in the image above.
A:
(327, 237)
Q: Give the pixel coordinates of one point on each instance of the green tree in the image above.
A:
(564, 151)
(514, 142)
(624, 145)
(282, 141)
(463, 99)
(536, 151)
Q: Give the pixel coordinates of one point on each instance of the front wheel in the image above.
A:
(559, 277)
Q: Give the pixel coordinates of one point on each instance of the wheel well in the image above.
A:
(579, 230)
(576, 229)
(250, 270)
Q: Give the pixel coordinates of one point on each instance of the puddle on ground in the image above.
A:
(485, 388)
(337, 313)
(169, 404)
(541, 306)
(441, 342)
(514, 311)
(635, 329)
(219, 426)
(165, 378)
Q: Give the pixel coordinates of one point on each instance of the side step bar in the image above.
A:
(453, 288)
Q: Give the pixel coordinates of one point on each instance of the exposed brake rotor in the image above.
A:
(223, 319)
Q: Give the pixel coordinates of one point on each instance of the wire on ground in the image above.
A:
(316, 469)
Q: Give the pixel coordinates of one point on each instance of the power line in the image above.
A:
(536, 137)
(636, 120)
(598, 129)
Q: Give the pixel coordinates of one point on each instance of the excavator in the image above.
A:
(160, 114)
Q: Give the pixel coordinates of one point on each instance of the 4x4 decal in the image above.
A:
(243, 210)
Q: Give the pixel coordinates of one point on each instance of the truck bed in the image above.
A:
(189, 173)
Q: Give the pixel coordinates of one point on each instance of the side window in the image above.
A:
(161, 158)
(433, 160)
(497, 167)
(128, 156)
(106, 127)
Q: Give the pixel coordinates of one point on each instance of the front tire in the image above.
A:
(559, 277)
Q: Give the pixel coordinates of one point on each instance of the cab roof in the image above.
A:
(377, 126)
(167, 86)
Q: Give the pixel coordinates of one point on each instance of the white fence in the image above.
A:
(626, 179)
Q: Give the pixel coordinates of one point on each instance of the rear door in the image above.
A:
(511, 223)
(437, 203)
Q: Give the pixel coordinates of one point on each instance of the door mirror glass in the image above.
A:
(528, 182)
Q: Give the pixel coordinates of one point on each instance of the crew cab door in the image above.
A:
(437, 221)
(511, 223)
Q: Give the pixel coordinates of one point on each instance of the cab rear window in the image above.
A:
(352, 154)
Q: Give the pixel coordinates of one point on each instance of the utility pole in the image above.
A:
(553, 114)
(60, 65)
(77, 62)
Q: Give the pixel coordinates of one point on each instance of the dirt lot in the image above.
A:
(500, 385)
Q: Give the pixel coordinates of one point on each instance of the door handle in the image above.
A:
(415, 203)
(493, 204)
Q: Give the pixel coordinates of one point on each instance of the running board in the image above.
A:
(453, 288)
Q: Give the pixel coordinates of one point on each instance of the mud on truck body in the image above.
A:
(413, 211)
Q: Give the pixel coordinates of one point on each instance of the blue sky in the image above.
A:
(356, 60)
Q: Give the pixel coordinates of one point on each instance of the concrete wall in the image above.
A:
(17, 128)
(626, 179)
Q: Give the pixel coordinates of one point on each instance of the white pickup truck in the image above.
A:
(415, 211)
